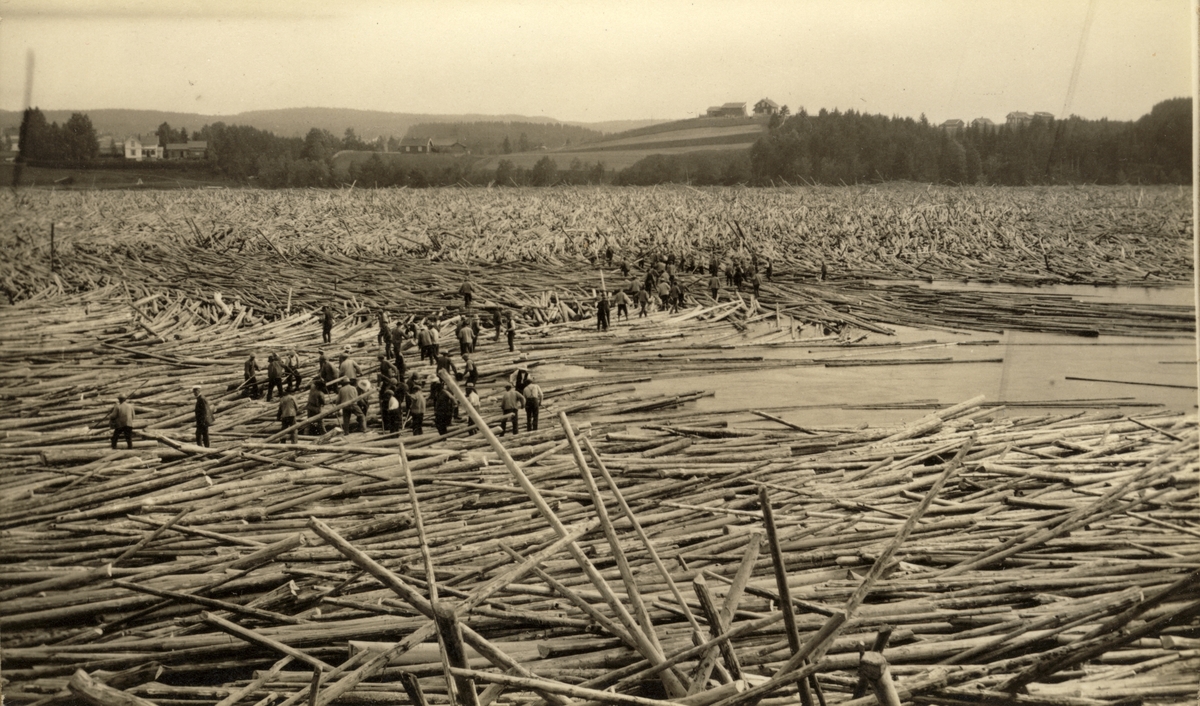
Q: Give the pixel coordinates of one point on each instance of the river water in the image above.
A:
(1142, 374)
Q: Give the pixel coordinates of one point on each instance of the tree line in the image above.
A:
(844, 148)
(830, 147)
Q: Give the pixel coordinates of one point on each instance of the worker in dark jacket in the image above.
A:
(496, 322)
(204, 417)
(291, 367)
(643, 301)
(445, 362)
(389, 410)
(416, 408)
(287, 413)
(602, 312)
(467, 291)
(512, 336)
(470, 370)
(120, 418)
(714, 286)
(312, 407)
(444, 408)
(328, 373)
(274, 375)
(326, 324)
(250, 378)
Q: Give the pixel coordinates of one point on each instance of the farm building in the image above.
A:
(983, 124)
(953, 125)
(1019, 118)
(137, 150)
(422, 145)
(192, 149)
(1043, 115)
(766, 106)
(728, 110)
(449, 145)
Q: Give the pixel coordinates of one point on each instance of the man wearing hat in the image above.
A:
(533, 404)
(510, 402)
(348, 393)
(250, 377)
(327, 372)
(312, 407)
(348, 367)
(204, 417)
(416, 408)
(274, 375)
(287, 413)
(120, 417)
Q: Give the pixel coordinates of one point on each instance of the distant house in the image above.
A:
(983, 124)
(137, 150)
(766, 106)
(11, 139)
(953, 125)
(728, 110)
(1043, 115)
(1019, 118)
(192, 149)
(449, 145)
(422, 145)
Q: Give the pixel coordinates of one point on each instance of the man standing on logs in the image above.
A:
(250, 378)
(512, 336)
(348, 368)
(444, 407)
(466, 340)
(326, 324)
(389, 377)
(384, 337)
(425, 342)
(470, 370)
(274, 375)
(467, 291)
(204, 417)
(389, 410)
(416, 408)
(622, 300)
(291, 365)
(533, 404)
(327, 373)
(348, 393)
(473, 398)
(714, 286)
(602, 312)
(398, 344)
(312, 407)
(120, 417)
(287, 413)
(643, 300)
(496, 322)
(510, 402)
(445, 362)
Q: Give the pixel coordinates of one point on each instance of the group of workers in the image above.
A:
(402, 401)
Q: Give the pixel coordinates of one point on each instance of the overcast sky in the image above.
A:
(593, 60)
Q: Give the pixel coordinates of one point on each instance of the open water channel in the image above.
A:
(1034, 375)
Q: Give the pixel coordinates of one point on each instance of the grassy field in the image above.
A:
(748, 133)
(110, 178)
(613, 159)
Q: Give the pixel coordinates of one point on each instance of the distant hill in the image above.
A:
(292, 122)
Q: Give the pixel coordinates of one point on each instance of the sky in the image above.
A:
(599, 60)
